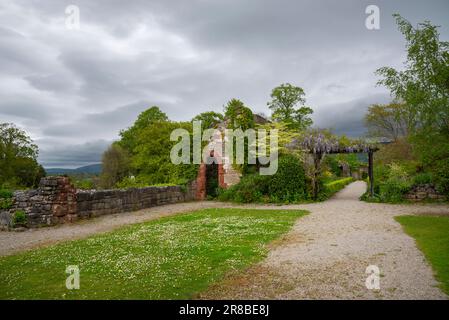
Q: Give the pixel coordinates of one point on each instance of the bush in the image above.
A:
(5, 193)
(251, 188)
(5, 199)
(422, 178)
(287, 185)
(289, 182)
(19, 218)
(396, 185)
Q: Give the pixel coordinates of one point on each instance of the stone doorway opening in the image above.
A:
(212, 182)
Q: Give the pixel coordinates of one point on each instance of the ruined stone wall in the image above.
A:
(424, 192)
(100, 202)
(57, 201)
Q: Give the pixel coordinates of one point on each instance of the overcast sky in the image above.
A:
(73, 90)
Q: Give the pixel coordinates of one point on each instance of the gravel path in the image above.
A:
(326, 254)
(323, 257)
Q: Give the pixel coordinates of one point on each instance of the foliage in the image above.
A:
(19, 218)
(423, 88)
(142, 156)
(209, 119)
(146, 118)
(18, 154)
(151, 163)
(284, 101)
(432, 237)
(115, 165)
(287, 185)
(6, 199)
(423, 178)
(423, 85)
(432, 149)
(5, 193)
(238, 115)
(389, 120)
(399, 151)
(174, 257)
(396, 185)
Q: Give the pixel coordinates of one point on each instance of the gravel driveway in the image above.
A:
(325, 255)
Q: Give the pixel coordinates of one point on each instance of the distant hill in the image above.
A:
(92, 169)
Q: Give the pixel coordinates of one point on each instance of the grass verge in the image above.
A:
(432, 237)
(169, 258)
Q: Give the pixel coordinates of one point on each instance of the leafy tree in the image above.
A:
(238, 115)
(115, 165)
(145, 119)
(390, 120)
(151, 160)
(209, 119)
(424, 88)
(18, 158)
(284, 101)
(424, 84)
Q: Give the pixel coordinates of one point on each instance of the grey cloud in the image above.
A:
(73, 156)
(347, 118)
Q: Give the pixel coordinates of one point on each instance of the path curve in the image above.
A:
(326, 254)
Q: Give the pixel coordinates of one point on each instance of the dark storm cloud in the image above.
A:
(68, 88)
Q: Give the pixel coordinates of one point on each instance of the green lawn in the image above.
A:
(432, 236)
(169, 258)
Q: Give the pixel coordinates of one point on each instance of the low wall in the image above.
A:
(424, 192)
(57, 201)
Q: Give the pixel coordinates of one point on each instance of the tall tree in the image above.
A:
(144, 120)
(424, 83)
(209, 119)
(390, 120)
(287, 105)
(115, 165)
(18, 158)
(423, 86)
(239, 115)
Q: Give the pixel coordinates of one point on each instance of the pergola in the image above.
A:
(319, 145)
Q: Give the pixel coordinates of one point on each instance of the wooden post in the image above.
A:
(317, 161)
(370, 173)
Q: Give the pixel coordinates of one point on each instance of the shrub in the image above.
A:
(287, 185)
(251, 188)
(396, 185)
(422, 178)
(19, 218)
(6, 199)
(5, 193)
(289, 182)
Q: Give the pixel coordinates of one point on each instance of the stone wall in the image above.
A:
(424, 192)
(57, 201)
(100, 202)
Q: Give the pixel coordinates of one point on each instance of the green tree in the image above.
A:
(145, 119)
(238, 115)
(424, 83)
(284, 105)
(424, 88)
(151, 161)
(209, 119)
(18, 158)
(115, 166)
(390, 120)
